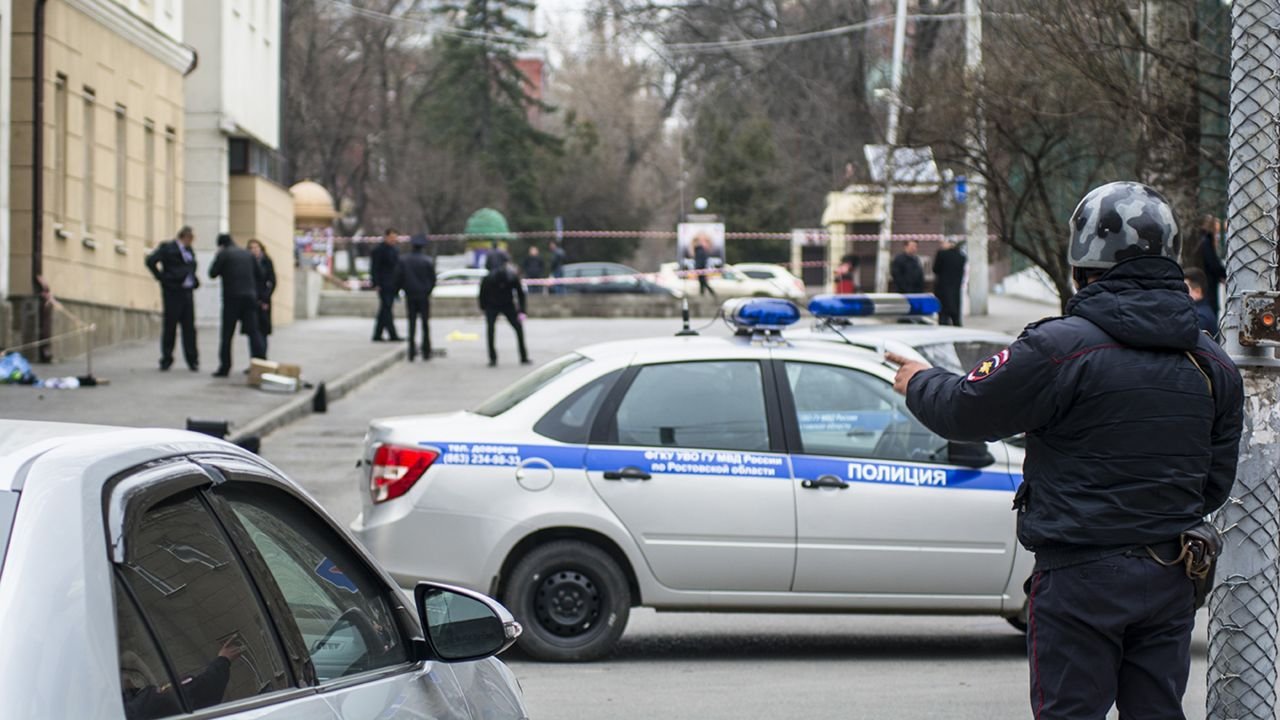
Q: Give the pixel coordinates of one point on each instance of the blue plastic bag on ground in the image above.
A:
(15, 370)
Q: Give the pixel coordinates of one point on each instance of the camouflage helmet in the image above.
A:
(1121, 220)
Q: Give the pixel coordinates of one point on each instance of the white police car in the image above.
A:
(157, 573)
(859, 320)
(696, 473)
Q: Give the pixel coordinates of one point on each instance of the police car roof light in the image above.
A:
(761, 313)
(869, 304)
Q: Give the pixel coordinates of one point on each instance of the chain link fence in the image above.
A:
(1242, 625)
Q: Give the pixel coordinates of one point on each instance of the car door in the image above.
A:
(879, 509)
(193, 631)
(688, 456)
(355, 628)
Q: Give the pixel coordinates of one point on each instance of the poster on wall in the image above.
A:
(693, 239)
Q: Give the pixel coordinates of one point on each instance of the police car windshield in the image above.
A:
(8, 508)
(529, 384)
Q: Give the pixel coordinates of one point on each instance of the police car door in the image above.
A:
(879, 508)
(688, 456)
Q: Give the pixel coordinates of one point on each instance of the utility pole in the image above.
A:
(891, 140)
(1243, 606)
(975, 212)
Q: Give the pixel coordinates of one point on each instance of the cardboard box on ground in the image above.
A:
(274, 376)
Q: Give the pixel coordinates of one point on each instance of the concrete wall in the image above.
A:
(6, 59)
(263, 210)
(135, 73)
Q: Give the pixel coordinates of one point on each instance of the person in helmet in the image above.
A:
(1133, 419)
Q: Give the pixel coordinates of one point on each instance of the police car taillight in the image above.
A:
(396, 469)
(869, 304)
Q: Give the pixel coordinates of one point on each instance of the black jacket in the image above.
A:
(948, 271)
(534, 266)
(416, 275)
(1126, 445)
(502, 289)
(266, 280)
(241, 274)
(168, 266)
(382, 265)
(908, 275)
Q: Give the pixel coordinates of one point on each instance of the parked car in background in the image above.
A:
(150, 573)
(606, 277)
(728, 281)
(776, 274)
(463, 282)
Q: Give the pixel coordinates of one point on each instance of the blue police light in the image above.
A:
(761, 313)
(869, 304)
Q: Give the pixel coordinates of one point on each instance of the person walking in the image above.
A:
(556, 266)
(1214, 271)
(416, 276)
(241, 276)
(908, 274)
(382, 271)
(501, 293)
(534, 268)
(266, 288)
(1133, 420)
(701, 261)
(948, 278)
(1205, 316)
(173, 264)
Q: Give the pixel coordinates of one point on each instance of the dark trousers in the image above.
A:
(419, 308)
(242, 311)
(949, 310)
(179, 309)
(386, 320)
(703, 286)
(1116, 630)
(513, 317)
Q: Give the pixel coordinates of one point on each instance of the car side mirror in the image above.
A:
(970, 455)
(461, 624)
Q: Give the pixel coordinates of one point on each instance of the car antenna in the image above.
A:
(684, 316)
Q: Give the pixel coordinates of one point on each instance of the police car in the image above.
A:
(751, 472)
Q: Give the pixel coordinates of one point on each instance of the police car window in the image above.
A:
(570, 420)
(342, 611)
(849, 413)
(8, 508)
(198, 602)
(714, 405)
(529, 384)
(943, 355)
(147, 688)
(972, 353)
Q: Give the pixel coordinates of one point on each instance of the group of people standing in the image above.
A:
(907, 273)
(248, 282)
(536, 267)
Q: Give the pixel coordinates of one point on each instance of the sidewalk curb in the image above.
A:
(300, 406)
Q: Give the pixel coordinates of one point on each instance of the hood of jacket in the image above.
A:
(1141, 302)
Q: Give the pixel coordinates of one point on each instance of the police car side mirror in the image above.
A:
(970, 455)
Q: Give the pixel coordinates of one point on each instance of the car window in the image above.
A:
(342, 611)
(758, 274)
(942, 355)
(198, 602)
(147, 688)
(971, 353)
(529, 384)
(8, 509)
(570, 420)
(846, 412)
(715, 405)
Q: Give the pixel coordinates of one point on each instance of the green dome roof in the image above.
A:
(487, 222)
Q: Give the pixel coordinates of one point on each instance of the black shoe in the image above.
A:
(378, 339)
(426, 354)
(222, 372)
(410, 357)
(165, 365)
(397, 338)
(526, 361)
(493, 363)
(195, 367)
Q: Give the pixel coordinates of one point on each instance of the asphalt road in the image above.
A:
(691, 665)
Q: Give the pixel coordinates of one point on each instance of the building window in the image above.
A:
(90, 140)
(60, 148)
(149, 148)
(171, 178)
(247, 157)
(122, 173)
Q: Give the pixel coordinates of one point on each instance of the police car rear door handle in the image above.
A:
(626, 473)
(826, 481)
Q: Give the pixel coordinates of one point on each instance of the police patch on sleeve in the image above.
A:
(988, 367)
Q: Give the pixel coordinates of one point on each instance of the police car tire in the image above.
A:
(1018, 623)
(579, 570)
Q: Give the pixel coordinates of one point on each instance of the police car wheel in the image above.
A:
(1018, 622)
(571, 598)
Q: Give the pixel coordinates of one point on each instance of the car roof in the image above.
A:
(914, 334)
(89, 454)
(701, 347)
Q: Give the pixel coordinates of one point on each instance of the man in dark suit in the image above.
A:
(416, 276)
(948, 274)
(173, 264)
(241, 274)
(907, 273)
(502, 293)
(382, 271)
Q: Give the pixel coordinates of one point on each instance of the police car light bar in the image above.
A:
(869, 304)
(752, 314)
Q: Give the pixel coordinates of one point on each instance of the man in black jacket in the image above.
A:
(416, 276)
(948, 274)
(907, 273)
(502, 293)
(173, 263)
(382, 270)
(1133, 420)
(241, 275)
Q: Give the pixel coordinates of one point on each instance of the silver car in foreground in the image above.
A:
(158, 573)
